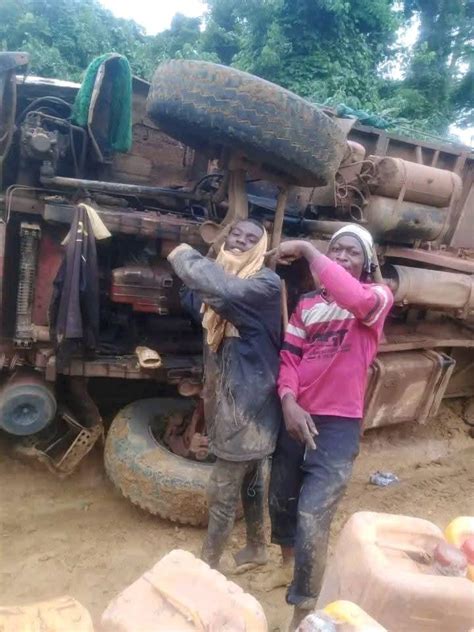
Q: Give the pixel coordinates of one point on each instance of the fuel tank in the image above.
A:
(404, 222)
(419, 183)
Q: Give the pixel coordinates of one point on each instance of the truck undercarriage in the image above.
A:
(209, 145)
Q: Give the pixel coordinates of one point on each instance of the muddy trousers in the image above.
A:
(305, 489)
(229, 479)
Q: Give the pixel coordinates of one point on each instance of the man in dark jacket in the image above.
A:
(239, 301)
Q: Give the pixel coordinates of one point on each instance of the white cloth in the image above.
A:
(99, 229)
(365, 239)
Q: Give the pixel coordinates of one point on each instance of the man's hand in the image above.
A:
(298, 422)
(292, 249)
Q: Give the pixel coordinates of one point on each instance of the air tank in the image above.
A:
(404, 222)
(419, 183)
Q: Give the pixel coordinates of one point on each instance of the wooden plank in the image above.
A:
(443, 146)
(238, 203)
(460, 162)
(437, 258)
(279, 217)
(463, 233)
(381, 146)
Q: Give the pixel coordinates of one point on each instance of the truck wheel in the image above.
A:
(146, 472)
(209, 106)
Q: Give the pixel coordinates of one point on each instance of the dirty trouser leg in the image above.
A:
(252, 494)
(223, 496)
(326, 472)
(285, 484)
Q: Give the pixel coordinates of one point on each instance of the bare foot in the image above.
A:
(246, 559)
(280, 577)
(251, 555)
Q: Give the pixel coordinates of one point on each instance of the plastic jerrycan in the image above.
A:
(383, 563)
(346, 612)
(460, 532)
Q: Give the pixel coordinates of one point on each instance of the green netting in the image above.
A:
(344, 111)
(119, 134)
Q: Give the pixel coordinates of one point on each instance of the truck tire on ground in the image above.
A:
(209, 106)
(147, 473)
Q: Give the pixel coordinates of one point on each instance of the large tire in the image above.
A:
(208, 106)
(148, 474)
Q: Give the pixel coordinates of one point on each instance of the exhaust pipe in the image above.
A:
(432, 288)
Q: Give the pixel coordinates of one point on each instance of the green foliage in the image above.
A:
(64, 36)
(440, 72)
(221, 36)
(334, 51)
(330, 51)
(306, 41)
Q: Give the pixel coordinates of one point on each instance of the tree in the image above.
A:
(63, 36)
(440, 79)
(331, 51)
(335, 51)
(220, 36)
(317, 48)
(183, 40)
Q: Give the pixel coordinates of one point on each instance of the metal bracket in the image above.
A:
(62, 451)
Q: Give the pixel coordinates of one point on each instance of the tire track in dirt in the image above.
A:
(80, 537)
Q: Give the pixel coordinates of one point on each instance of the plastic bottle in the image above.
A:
(340, 616)
(460, 532)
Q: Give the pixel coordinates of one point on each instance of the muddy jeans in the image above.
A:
(228, 480)
(305, 489)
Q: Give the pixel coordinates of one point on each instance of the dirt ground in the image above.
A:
(79, 537)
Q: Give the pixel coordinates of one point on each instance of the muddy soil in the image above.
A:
(79, 537)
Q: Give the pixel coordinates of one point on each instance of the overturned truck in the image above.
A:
(208, 144)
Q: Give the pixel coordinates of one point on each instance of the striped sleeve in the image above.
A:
(370, 303)
(382, 299)
(290, 355)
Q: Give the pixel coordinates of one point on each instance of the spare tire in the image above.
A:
(148, 474)
(209, 106)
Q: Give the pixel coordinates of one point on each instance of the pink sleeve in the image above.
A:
(370, 303)
(290, 355)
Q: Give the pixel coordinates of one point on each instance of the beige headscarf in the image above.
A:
(242, 265)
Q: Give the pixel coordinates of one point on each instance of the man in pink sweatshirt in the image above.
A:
(331, 340)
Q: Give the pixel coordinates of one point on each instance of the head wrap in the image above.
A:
(242, 265)
(363, 237)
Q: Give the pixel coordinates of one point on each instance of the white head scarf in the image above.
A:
(363, 237)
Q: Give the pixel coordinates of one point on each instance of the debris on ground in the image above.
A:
(382, 479)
